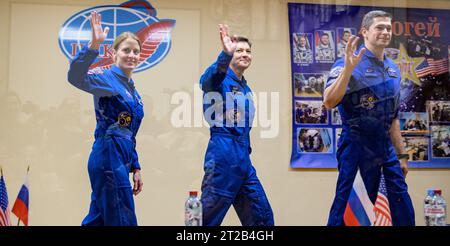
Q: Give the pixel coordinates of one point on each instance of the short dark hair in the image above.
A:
(368, 18)
(325, 34)
(244, 39)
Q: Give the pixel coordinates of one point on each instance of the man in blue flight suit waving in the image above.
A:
(366, 89)
(230, 178)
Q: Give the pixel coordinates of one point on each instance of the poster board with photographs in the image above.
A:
(420, 47)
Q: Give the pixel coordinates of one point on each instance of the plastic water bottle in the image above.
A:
(427, 204)
(440, 207)
(193, 210)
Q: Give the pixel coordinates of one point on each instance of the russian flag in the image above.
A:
(359, 210)
(20, 208)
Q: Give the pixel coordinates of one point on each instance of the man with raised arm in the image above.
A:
(230, 178)
(365, 86)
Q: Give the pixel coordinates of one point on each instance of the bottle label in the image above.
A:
(429, 211)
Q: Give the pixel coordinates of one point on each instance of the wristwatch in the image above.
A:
(403, 156)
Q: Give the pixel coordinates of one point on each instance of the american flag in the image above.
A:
(433, 67)
(4, 207)
(382, 211)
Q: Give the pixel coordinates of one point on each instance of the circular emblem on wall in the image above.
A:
(138, 17)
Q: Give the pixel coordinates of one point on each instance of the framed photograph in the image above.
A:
(439, 111)
(414, 123)
(336, 117)
(417, 148)
(314, 140)
(440, 141)
(301, 48)
(311, 113)
(309, 85)
(325, 48)
(342, 37)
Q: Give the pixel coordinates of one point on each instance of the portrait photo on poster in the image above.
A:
(301, 48)
(324, 46)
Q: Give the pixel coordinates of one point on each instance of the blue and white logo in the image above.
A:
(138, 17)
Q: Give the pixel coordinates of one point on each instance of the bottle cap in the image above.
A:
(193, 193)
(438, 191)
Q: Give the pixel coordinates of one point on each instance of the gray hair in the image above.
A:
(368, 18)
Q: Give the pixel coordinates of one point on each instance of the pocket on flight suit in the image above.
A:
(223, 171)
(120, 160)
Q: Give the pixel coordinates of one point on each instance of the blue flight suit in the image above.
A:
(119, 112)
(369, 106)
(230, 178)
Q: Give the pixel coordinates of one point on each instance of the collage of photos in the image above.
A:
(314, 140)
(415, 130)
(418, 128)
(325, 46)
(439, 115)
(424, 108)
(320, 46)
(310, 112)
(309, 84)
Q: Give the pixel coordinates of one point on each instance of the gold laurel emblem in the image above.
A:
(124, 119)
(234, 115)
(367, 101)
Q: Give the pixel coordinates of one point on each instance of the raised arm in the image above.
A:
(212, 79)
(336, 91)
(79, 66)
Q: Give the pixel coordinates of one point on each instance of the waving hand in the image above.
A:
(228, 43)
(351, 59)
(98, 34)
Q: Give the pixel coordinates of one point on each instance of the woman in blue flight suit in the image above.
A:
(230, 178)
(119, 112)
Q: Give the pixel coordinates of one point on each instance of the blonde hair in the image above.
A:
(122, 37)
